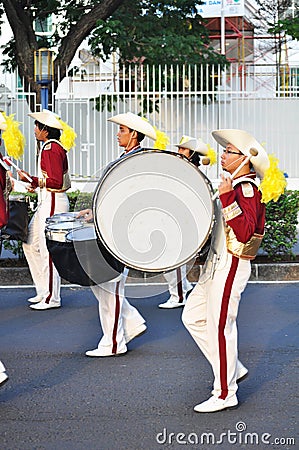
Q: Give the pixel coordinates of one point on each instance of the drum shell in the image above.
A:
(86, 262)
(125, 181)
(57, 231)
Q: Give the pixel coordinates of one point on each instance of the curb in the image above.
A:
(17, 276)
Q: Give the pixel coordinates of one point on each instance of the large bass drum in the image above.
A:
(153, 210)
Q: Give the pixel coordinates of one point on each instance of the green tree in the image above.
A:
(155, 32)
(151, 32)
(76, 19)
(289, 26)
(269, 14)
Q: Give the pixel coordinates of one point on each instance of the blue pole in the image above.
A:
(44, 97)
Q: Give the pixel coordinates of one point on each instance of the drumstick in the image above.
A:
(253, 152)
(10, 163)
(4, 165)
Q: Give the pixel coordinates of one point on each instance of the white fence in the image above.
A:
(192, 100)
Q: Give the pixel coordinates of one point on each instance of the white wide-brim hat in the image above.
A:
(191, 143)
(47, 118)
(244, 142)
(3, 124)
(136, 123)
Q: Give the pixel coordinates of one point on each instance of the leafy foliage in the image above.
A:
(155, 32)
(269, 14)
(71, 22)
(289, 26)
(79, 200)
(147, 33)
(281, 226)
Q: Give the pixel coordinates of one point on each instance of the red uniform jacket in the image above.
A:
(250, 212)
(54, 165)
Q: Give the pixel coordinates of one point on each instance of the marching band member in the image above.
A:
(14, 143)
(52, 182)
(211, 310)
(178, 284)
(120, 321)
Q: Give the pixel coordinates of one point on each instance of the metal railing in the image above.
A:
(192, 100)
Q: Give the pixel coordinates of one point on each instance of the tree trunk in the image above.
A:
(21, 22)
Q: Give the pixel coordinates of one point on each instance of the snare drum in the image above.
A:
(153, 210)
(58, 231)
(70, 216)
(80, 258)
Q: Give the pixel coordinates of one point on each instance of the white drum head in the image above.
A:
(85, 233)
(153, 210)
(62, 217)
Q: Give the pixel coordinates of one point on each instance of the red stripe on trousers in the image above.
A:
(180, 284)
(52, 209)
(116, 317)
(221, 326)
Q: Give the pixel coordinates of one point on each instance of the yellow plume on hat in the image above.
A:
(68, 136)
(211, 154)
(13, 138)
(162, 140)
(273, 183)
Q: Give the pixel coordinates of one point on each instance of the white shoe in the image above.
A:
(3, 377)
(43, 305)
(138, 331)
(216, 404)
(242, 372)
(102, 352)
(172, 304)
(36, 299)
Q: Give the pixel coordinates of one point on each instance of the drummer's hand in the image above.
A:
(30, 189)
(225, 185)
(86, 214)
(22, 175)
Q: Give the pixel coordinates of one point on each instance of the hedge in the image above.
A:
(280, 231)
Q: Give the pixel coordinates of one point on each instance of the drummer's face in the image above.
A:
(40, 135)
(124, 136)
(231, 158)
(184, 151)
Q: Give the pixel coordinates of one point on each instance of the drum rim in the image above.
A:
(55, 217)
(113, 167)
(85, 226)
(49, 225)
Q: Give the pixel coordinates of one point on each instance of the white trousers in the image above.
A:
(44, 274)
(178, 285)
(117, 316)
(210, 317)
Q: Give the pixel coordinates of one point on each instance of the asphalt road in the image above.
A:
(57, 398)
